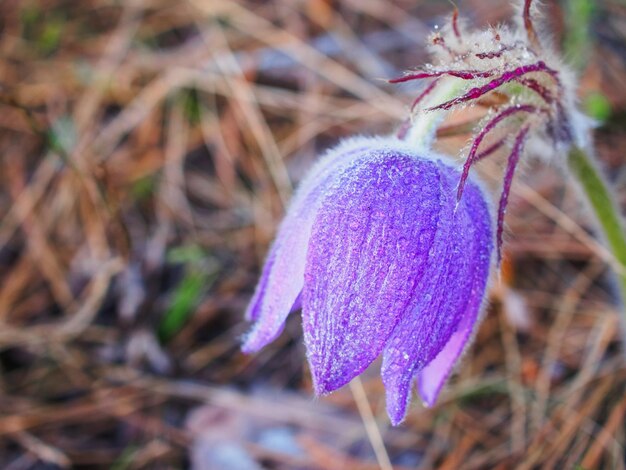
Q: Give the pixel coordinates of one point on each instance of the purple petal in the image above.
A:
(282, 279)
(430, 337)
(432, 377)
(369, 245)
(254, 307)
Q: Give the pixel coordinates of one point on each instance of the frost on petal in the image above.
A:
(431, 335)
(432, 377)
(279, 288)
(282, 278)
(254, 307)
(368, 249)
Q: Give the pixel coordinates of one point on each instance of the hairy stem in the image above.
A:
(423, 126)
(605, 209)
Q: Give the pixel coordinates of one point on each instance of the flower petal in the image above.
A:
(282, 279)
(430, 337)
(369, 243)
(432, 377)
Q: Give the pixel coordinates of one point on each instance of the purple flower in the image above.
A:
(382, 259)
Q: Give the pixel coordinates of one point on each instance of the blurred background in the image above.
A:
(147, 151)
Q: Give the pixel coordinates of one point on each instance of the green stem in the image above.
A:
(423, 129)
(605, 209)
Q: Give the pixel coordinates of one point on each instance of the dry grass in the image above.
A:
(147, 150)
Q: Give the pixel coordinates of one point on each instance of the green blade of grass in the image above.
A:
(184, 301)
(603, 207)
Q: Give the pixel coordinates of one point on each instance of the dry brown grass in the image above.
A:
(147, 150)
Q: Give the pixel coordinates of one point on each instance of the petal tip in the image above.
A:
(397, 412)
(397, 420)
(429, 402)
(249, 346)
(259, 337)
(398, 396)
(324, 385)
(321, 390)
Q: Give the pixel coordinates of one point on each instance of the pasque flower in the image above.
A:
(383, 260)
(387, 247)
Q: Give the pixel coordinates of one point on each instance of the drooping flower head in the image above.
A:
(513, 73)
(383, 260)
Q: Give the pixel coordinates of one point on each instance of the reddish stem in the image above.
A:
(455, 23)
(489, 150)
(463, 74)
(537, 88)
(471, 158)
(493, 54)
(497, 82)
(528, 24)
(431, 86)
(509, 172)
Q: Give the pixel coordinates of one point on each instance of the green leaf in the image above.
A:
(191, 106)
(603, 206)
(143, 188)
(125, 460)
(186, 254)
(184, 301)
(578, 40)
(598, 106)
(200, 272)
